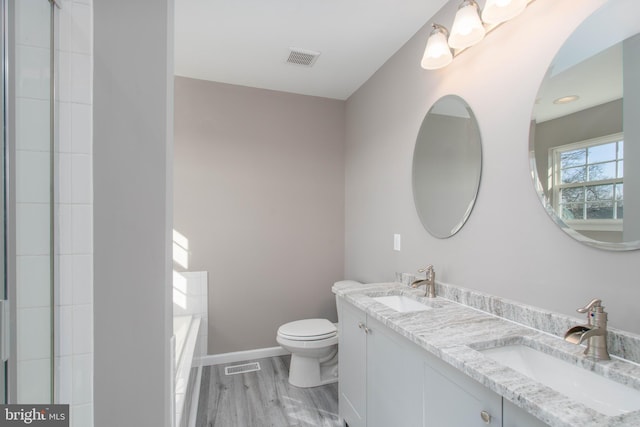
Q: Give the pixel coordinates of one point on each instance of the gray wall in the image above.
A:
(631, 61)
(509, 246)
(259, 193)
(132, 212)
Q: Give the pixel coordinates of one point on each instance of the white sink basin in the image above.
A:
(401, 303)
(597, 392)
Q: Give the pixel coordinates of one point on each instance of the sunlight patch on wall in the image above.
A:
(181, 258)
(180, 250)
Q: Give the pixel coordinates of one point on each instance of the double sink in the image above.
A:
(589, 388)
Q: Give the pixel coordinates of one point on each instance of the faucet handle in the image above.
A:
(428, 269)
(589, 307)
(595, 306)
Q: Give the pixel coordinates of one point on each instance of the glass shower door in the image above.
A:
(31, 115)
(4, 318)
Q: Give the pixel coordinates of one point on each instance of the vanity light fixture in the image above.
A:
(437, 54)
(467, 29)
(498, 11)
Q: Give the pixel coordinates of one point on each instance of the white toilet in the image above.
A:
(313, 344)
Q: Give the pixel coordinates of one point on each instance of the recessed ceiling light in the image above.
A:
(566, 99)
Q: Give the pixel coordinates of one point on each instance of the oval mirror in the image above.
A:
(447, 162)
(585, 131)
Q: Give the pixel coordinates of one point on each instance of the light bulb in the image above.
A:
(437, 53)
(497, 11)
(467, 28)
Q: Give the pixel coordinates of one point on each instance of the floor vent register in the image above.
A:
(242, 369)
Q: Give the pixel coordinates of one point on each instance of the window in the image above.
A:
(588, 183)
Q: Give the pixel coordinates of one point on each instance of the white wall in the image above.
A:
(509, 247)
(132, 122)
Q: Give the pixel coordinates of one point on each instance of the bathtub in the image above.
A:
(185, 331)
(181, 325)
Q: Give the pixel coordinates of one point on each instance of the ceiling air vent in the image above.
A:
(302, 57)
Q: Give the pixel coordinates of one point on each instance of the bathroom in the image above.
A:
(513, 251)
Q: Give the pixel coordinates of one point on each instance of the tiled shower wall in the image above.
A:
(74, 211)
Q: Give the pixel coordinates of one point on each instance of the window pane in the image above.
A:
(620, 210)
(572, 211)
(620, 169)
(600, 192)
(600, 210)
(621, 149)
(602, 171)
(573, 158)
(619, 192)
(602, 153)
(569, 195)
(571, 175)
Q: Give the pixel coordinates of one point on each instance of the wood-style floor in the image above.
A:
(264, 399)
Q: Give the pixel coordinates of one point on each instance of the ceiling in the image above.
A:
(247, 42)
(589, 64)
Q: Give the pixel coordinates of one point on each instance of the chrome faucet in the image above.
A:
(594, 333)
(429, 281)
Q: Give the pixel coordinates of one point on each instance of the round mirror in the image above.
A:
(447, 162)
(585, 131)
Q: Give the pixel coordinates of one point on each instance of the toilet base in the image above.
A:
(306, 372)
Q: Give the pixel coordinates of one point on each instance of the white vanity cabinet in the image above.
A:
(380, 382)
(394, 386)
(386, 380)
(352, 364)
(452, 399)
(512, 416)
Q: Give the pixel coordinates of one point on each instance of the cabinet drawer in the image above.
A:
(451, 399)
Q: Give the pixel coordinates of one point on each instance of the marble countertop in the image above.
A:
(454, 332)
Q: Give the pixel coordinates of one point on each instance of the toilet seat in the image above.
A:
(308, 330)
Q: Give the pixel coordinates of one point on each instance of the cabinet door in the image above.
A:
(394, 379)
(352, 365)
(454, 400)
(512, 416)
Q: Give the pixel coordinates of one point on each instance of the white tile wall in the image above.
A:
(74, 361)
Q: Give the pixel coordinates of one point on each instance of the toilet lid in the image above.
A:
(308, 329)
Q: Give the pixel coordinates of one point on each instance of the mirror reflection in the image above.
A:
(584, 143)
(447, 161)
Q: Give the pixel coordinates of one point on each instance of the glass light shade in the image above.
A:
(437, 54)
(467, 27)
(497, 11)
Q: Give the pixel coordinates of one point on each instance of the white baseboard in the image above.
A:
(241, 356)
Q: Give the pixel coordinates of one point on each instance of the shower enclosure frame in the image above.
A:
(9, 98)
